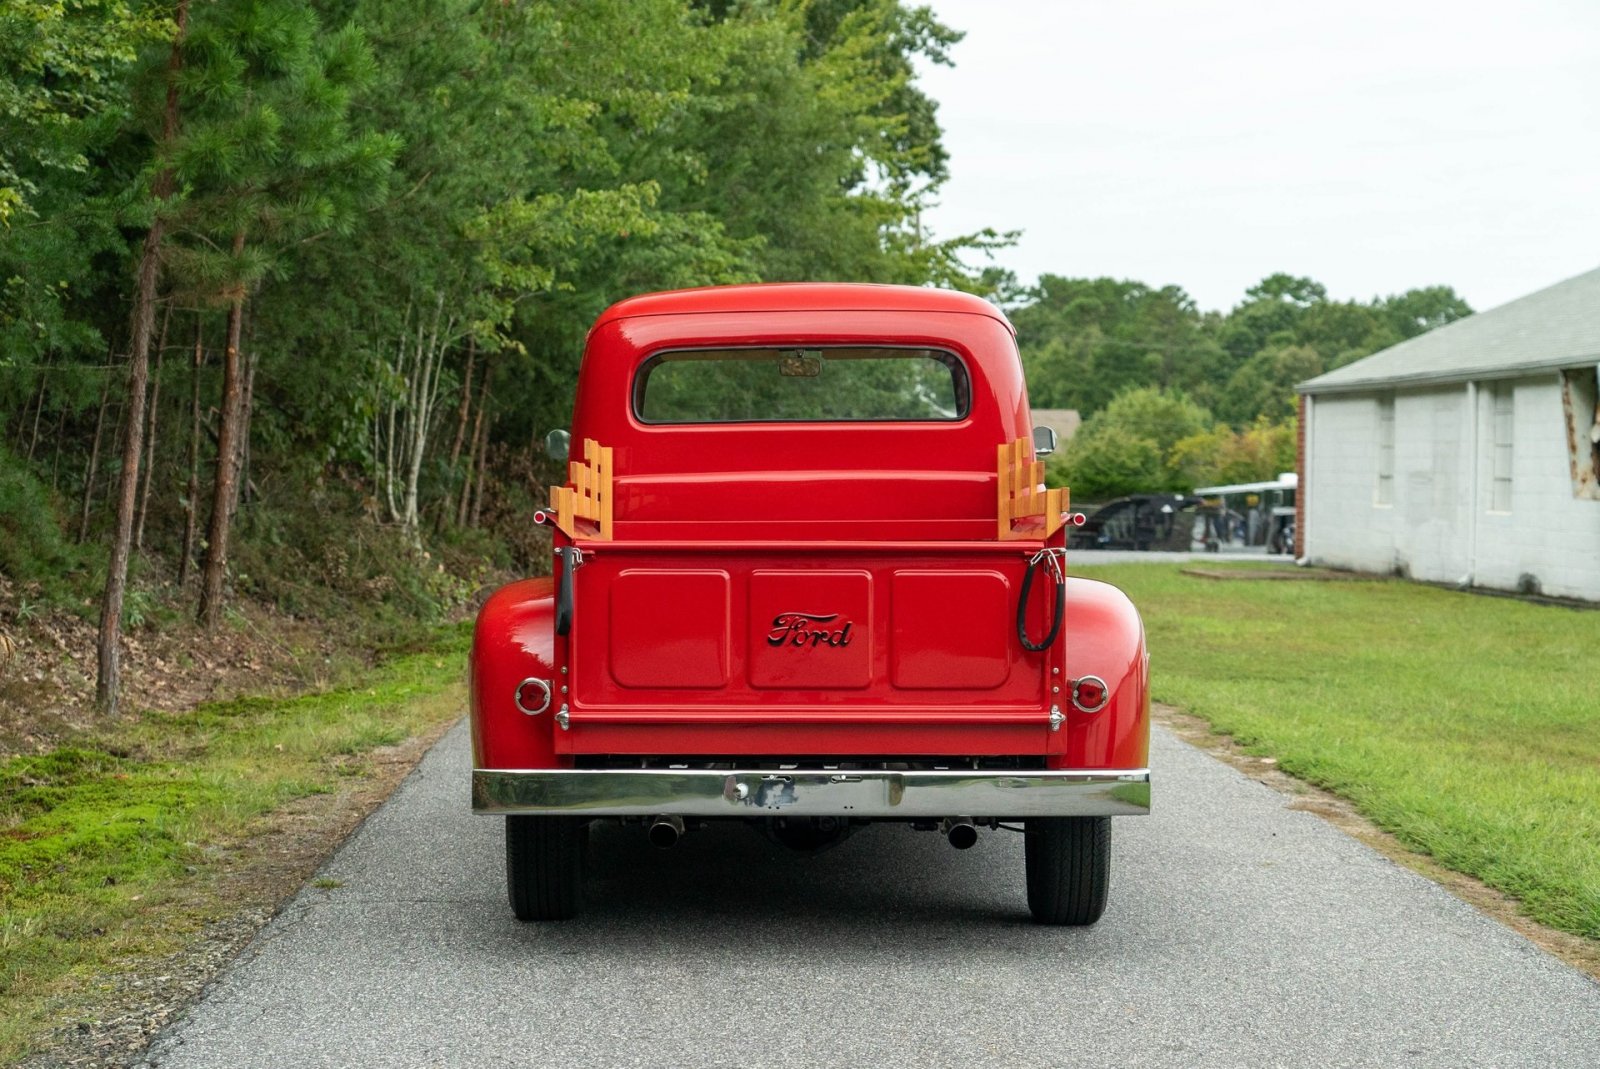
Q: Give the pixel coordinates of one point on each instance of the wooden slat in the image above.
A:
(561, 501)
(603, 476)
(1019, 478)
(1004, 483)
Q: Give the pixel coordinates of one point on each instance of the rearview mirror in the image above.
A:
(800, 364)
(558, 443)
(1044, 441)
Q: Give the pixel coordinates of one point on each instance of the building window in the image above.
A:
(1580, 397)
(1503, 422)
(1385, 491)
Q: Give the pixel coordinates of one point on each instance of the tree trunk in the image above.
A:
(466, 401)
(426, 395)
(475, 454)
(241, 490)
(389, 436)
(483, 466)
(401, 434)
(55, 465)
(463, 506)
(191, 505)
(150, 432)
(38, 409)
(216, 565)
(94, 459)
(118, 413)
(108, 685)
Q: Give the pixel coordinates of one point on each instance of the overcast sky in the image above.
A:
(1373, 146)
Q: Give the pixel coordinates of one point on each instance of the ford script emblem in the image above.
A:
(808, 630)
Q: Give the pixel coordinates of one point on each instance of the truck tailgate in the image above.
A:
(827, 648)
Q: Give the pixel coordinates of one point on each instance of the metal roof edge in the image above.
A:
(1510, 371)
(1245, 488)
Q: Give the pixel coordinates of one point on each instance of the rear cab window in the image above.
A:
(802, 384)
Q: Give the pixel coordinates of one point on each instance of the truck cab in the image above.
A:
(806, 575)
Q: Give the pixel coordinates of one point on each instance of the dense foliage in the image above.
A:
(353, 247)
(1174, 397)
(291, 290)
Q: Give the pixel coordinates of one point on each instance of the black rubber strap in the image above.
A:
(564, 601)
(1022, 608)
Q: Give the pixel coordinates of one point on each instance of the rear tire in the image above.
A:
(1069, 868)
(544, 866)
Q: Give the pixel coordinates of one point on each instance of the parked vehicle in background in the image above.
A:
(1259, 514)
(807, 577)
(1138, 522)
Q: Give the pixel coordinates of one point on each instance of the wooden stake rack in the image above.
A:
(589, 496)
(1026, 510)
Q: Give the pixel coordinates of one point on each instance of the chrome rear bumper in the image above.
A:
(811, 792)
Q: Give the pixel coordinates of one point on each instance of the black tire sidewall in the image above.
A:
(544, 866)
(1068, 863)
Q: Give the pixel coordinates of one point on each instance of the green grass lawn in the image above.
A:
(1468, 726)
(110, 848)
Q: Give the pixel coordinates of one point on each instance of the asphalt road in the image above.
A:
(1240, 933)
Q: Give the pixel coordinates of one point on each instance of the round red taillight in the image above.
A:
(1090, 694)
(533, 696)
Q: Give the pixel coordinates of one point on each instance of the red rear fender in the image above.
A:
(514, 640)
(1105, 638)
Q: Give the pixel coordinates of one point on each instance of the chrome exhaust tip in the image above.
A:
(665, 832)
(960, 832)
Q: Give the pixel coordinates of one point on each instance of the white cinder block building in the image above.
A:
(1470, 454)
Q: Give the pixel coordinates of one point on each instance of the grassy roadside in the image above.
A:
(119, 846)
(1466, 726)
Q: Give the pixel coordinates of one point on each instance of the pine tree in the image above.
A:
(108, 682)
(255, 152)
(269, 156)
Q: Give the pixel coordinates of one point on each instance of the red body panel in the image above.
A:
(805, 588)
(514, 640)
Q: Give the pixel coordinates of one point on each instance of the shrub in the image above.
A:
(33, 546)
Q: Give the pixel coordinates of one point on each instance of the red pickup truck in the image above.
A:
(807, 576)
